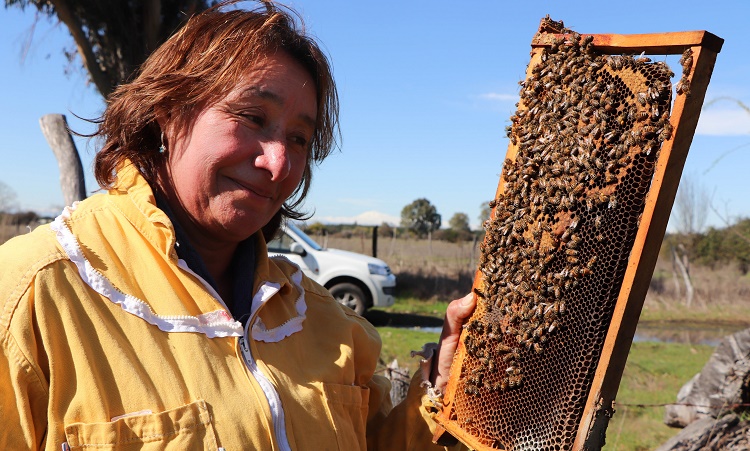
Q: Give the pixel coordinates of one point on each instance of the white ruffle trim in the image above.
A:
(213, 324)
(289, 327)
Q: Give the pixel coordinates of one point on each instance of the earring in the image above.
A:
(162, 148)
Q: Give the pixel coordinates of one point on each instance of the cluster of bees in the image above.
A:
(578, 127)
(686, 61)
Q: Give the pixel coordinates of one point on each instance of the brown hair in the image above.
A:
(196, 67)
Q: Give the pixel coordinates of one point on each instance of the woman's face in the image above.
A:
(244, 155)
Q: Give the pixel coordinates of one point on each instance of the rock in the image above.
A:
(720, 386)
(725, 433)
(679, 415)
(399, 381)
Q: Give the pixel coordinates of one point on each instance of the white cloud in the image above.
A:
(723, 122)
(369, 218)
(496, 96)
(359, 202)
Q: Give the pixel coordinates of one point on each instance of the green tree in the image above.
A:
(459, 222)
(421, 217)
(385, 230)
(111, 37)
(726, 245)
(316, 228)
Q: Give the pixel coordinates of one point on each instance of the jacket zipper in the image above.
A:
(274, 402)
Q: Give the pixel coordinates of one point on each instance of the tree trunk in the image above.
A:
(682, 262)
(675, 277)
(98, 74)
(55, 130)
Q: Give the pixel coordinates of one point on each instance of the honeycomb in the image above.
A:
(587, 135)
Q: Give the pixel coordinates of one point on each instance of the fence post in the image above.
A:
(55, 130)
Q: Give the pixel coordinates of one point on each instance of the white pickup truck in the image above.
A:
(355, 280)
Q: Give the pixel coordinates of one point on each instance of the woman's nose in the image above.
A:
(275, 159)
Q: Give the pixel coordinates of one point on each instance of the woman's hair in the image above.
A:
(198, 66)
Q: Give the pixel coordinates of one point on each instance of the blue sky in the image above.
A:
(426, 90)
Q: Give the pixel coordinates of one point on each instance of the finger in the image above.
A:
(457, 312)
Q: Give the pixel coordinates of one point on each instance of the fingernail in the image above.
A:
(467, 300)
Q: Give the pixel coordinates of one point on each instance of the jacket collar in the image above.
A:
(132, 197)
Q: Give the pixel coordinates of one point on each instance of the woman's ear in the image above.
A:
(162, 118)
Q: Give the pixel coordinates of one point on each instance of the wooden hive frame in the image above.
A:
(685, 111)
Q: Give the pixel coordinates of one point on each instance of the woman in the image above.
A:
(150, 317)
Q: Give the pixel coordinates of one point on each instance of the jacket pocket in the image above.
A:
(186, 427)
(348, 405)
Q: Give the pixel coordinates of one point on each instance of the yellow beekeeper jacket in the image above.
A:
(109, 341)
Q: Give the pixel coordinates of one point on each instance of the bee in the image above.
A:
(686, 61)
(683, 86)
(471, 390)
(648, 131)
(507, 358)
(468, 420)
(592, 261)
(687, 66)
(642, 59)
(642, 98)
(515, 380)
(538, 332)
(612, 201)
(665, 133)
(655, 112)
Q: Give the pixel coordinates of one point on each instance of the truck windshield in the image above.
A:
(306, 238)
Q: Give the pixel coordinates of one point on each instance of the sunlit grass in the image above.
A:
(414, 306)
(399, 342)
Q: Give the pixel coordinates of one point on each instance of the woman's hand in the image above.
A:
(457, 312)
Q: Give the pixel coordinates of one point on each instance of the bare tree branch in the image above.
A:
(729, 227)
(691, 205)
(90, 62)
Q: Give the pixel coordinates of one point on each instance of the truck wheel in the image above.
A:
(349, 295)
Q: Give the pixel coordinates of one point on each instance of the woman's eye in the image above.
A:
(299, 141)
(254, 118)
